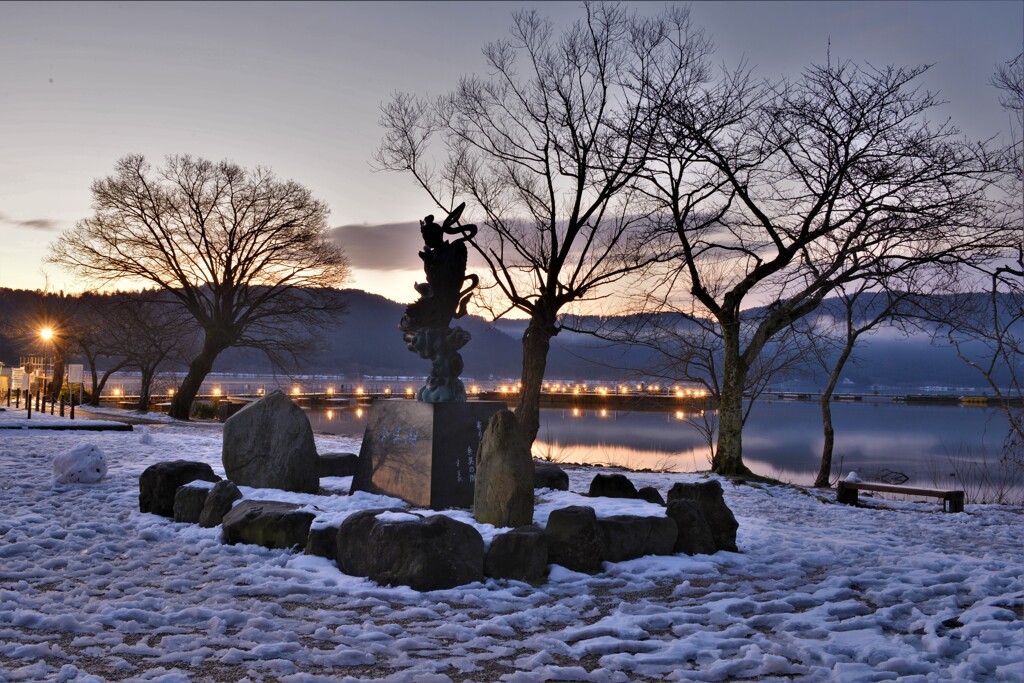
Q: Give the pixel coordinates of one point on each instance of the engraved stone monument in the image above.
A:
(425, 451)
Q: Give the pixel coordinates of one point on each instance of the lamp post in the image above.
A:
(56, 367)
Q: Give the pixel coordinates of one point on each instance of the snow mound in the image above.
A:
(83, 464)
(395, 517)
(852, 478)
(145, 436)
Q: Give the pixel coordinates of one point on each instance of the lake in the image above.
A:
(929, 444)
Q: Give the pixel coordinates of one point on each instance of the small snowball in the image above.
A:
(852, 477)
(83, 464)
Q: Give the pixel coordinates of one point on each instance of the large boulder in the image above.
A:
(159, 483)
(269, 444)
(548, 475)
(402, 548)
(626, 537)
(188, 502)
(574, 539)
(218, 503)
(337, 464)
(268, 523)
(695, 537)
(353, 539)
(520, 554)
(708, 496)
(612, 486)
(503, 492)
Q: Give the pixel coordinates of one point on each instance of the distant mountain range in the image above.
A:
(366, 342)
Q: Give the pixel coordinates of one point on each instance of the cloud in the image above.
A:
(42, 224)
(391, 246)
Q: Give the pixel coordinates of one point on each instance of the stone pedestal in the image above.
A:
(423, 453)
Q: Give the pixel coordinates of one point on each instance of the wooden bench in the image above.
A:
(846, 492)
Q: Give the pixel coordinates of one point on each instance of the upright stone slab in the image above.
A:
(424, 453)
(269, 444)
(503, 492)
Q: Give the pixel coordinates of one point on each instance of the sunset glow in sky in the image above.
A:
(297, 86)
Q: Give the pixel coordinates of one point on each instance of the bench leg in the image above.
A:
(956, 501)
(846, 494)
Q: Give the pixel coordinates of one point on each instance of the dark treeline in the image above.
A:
(366, 341)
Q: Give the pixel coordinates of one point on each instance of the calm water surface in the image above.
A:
(782, 439)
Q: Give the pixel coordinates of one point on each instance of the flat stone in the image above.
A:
(271, 524)
(423, 453)
(159, 483)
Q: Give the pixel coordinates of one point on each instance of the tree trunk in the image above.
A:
(198, 369)
(728, 457)
(536, 343)
(94, 395)
(97, 387)
(57, 382)
(145, 387)
(825, 469)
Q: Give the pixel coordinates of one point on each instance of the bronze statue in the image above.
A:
(445, 295)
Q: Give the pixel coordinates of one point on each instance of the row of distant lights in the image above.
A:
(508, 389)
(577, 389)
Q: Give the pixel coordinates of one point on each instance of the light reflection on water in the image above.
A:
(782, 438)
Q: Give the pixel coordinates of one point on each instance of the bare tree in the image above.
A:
(986, 330)
(93, 339)
(865, 305)
(244, 253)
(689, 348)
(1009, 79)
(149, 329)
(782, 193)
(546, 148)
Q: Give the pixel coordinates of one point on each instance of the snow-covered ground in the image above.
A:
(92, 590)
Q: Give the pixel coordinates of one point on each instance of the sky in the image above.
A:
(297, 87)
